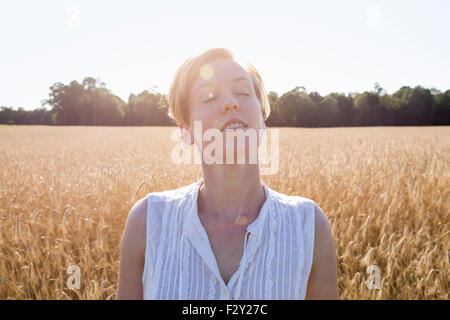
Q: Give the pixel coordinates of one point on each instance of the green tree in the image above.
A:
(147, 108)
(367, 107)
(296, 109)
(88, 103)
(346, 110)
(274, 116)
(442, 108)
(414, 106)
(328, 112)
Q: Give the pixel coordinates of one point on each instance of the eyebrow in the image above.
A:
(209, 83)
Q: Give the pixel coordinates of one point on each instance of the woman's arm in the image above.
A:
(323, 280)
(132, 253)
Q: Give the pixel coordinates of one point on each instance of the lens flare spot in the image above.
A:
(241, 220)
(206, 71)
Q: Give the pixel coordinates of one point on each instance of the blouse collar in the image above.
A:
(194, 230)
(193, 221)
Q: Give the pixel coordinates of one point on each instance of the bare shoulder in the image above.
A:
(324, 248)
(322, 226)
(322, 282)
(136, 224)
(132, 253)
(138, 212)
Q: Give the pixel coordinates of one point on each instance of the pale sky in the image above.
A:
(326, 46)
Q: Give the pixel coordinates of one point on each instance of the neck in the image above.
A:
(231, 195)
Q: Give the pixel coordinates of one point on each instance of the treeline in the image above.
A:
(91, 103)
(407, 106)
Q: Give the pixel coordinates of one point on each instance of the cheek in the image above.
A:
(207, 116)
(202, 113)
(256, 110)
(198, 113)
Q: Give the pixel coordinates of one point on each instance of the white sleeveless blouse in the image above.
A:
(180, 264)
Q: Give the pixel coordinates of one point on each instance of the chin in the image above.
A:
(243, 151)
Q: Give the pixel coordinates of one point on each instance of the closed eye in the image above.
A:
(214, 97)
(206, 101)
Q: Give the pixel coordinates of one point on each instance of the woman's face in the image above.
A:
(223, 91)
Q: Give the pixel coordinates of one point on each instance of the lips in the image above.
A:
(232, 122)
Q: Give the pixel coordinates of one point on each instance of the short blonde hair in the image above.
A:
(186, 75)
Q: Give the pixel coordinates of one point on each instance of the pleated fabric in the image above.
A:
(180, 264)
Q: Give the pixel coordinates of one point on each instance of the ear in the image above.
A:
(186, 135)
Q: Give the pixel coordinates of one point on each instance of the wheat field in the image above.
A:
(65, 193)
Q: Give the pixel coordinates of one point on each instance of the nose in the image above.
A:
(230, 105)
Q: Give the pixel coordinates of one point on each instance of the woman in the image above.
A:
(228, 235)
